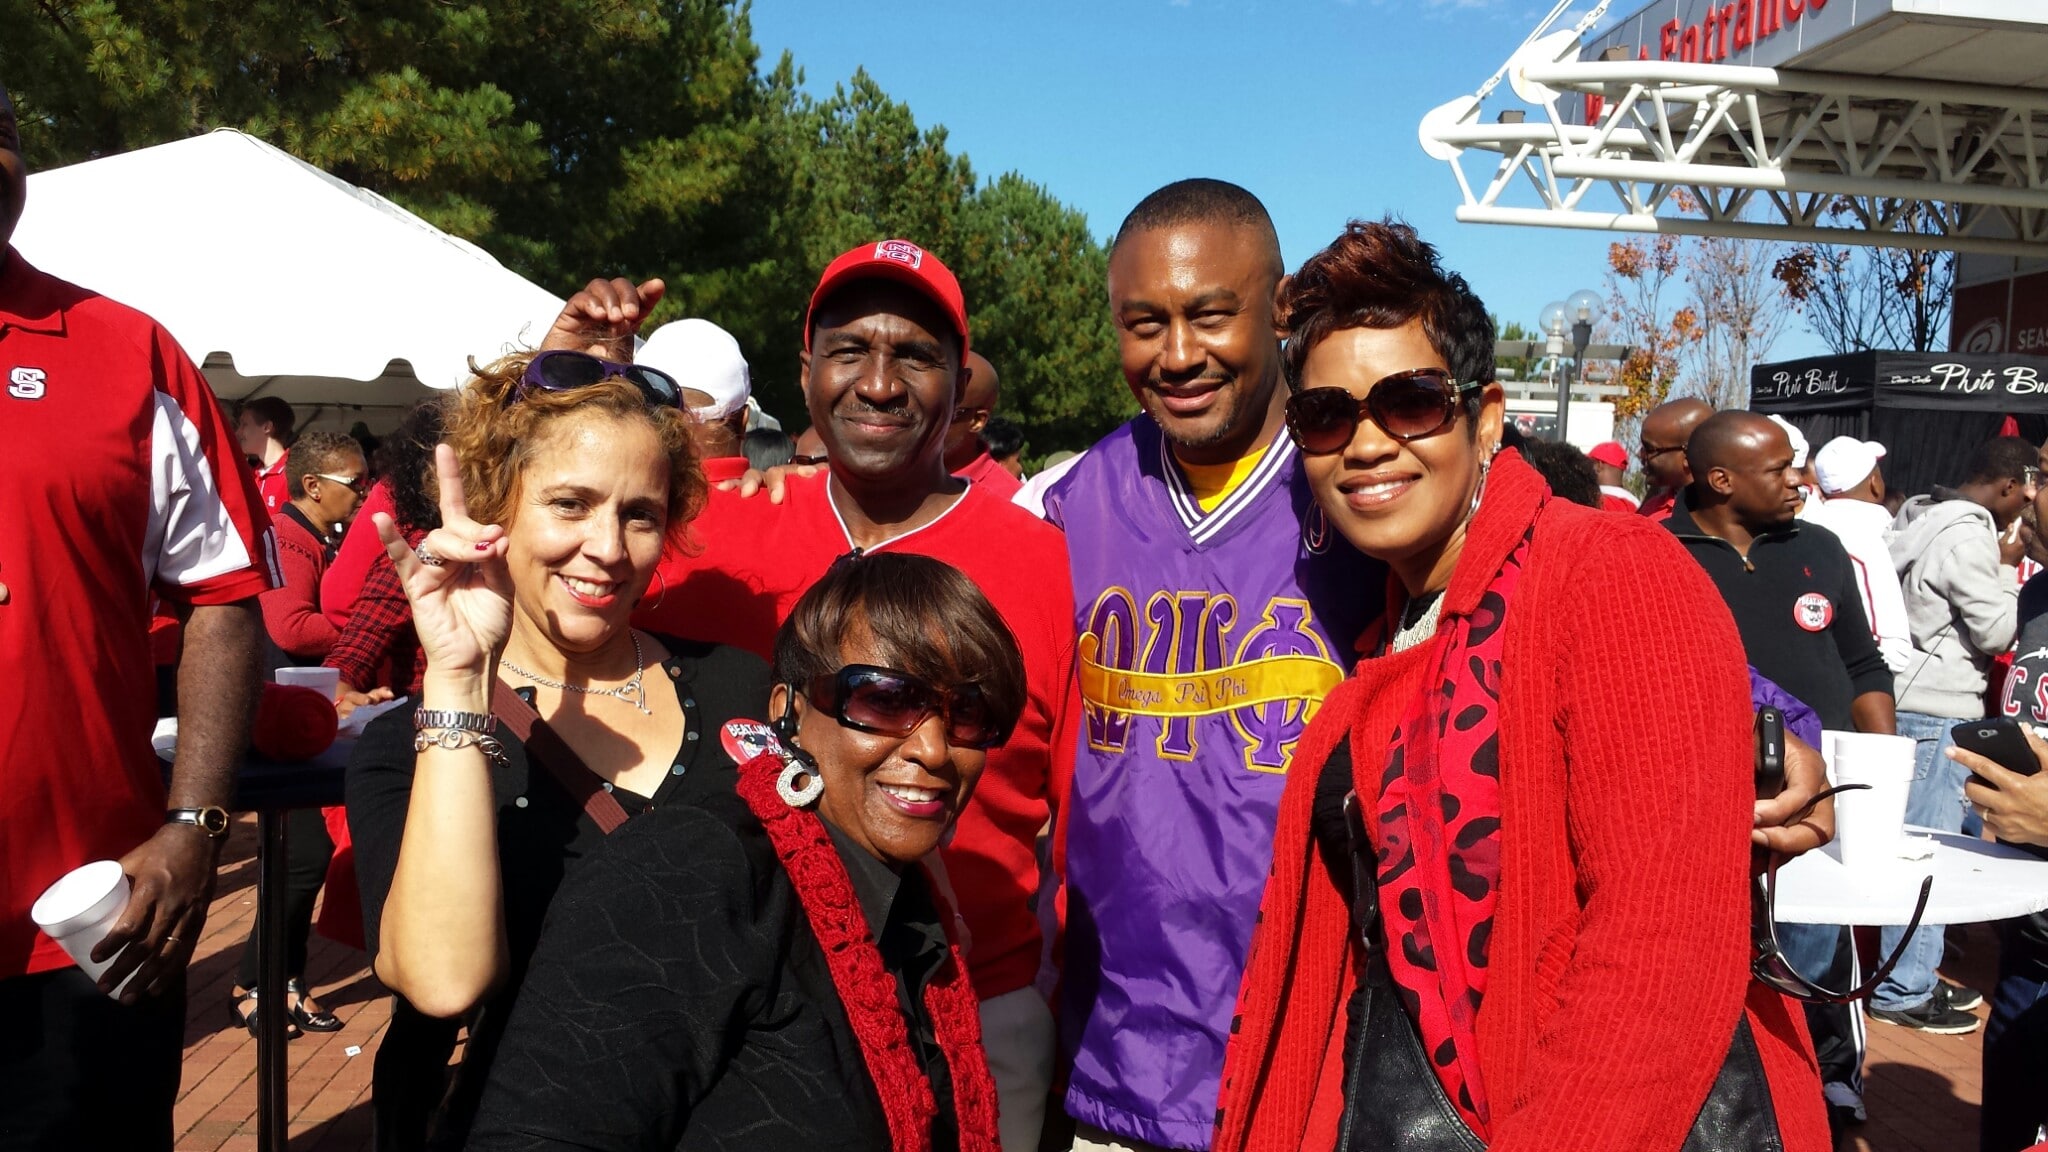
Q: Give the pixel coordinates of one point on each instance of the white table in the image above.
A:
(1974, 881)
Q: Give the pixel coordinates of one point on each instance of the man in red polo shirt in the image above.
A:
(119, 479)
(264, 431)
(883, 367)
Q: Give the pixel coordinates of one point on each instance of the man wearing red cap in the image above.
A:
(1610, 460)
(884, 364)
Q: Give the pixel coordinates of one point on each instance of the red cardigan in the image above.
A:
(1619, 955)
(291, 612)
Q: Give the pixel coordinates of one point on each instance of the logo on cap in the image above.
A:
(26, 383)
(901, 251)
(1813, 611)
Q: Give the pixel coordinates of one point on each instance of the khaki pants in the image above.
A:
(1017, 1034)
(1087, 1139)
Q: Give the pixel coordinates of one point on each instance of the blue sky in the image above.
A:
(1311, 104)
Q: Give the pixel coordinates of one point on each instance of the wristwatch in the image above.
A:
(210, 820)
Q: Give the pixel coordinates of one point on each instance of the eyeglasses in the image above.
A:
(1649, 451)
(1768, 963)
(565, 370)
(1406, 406)
(886, 702)
(355, 484)
(2030, 477)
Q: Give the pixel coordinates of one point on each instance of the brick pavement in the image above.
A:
(1921, 1090)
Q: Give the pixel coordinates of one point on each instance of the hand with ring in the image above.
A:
(456, 581)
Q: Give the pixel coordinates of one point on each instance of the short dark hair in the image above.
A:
(1002, 438)
(2002, 458)
(1201, 201)
(275, 412)
(317, 452)
(1381, 274)
(405, 461)
(1568, 470)
(923, 616)
(767, 448)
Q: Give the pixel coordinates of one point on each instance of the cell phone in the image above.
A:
(1770, 751)
(1998, 740)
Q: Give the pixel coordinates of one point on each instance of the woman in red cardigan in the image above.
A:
(1509, 904)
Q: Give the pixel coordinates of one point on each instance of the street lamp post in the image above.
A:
(1574, 314)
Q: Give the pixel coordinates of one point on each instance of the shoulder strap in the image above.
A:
(546, 747)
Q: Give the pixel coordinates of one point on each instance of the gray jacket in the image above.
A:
(1962, 606)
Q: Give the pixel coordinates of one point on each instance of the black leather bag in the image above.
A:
(1394, 1101)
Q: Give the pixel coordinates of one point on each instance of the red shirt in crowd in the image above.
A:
(753, 559)
(360, 549)
(989, 474)
(291, 611)
(1657, 504)
(378, 648)
(275, 486)
(119, 479)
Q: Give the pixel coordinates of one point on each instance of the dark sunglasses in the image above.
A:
(565, 370)
(1406, 406)
(886, 702)
(1768, 963)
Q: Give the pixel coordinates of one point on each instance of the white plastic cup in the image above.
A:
(1870, 822)
(326, 681)
(80, 909)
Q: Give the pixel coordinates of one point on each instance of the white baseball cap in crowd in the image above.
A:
(1844, 462)
(1797, 437)
(706, 362)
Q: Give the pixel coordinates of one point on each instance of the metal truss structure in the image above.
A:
(1651, 146)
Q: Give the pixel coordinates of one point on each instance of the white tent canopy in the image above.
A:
(278, 278)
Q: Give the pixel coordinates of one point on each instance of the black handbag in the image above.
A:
(1394, 1101)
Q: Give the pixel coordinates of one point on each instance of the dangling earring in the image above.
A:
(1485, 466)
(801, 783)
(658, 596)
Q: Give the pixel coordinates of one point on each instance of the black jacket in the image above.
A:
(1796, 605)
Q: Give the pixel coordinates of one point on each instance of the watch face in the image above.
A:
(214, 820)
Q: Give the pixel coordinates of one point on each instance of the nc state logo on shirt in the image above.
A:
(901, 251)
(1813, 611)
(26, 383)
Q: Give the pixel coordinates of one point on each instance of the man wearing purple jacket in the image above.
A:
(1214, 609)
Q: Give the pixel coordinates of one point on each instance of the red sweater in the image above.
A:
(1619, 955)
(291, 613)
(754, 559)
(360, 550)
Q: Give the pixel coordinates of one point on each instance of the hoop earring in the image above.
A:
(800, 784)
(1485, 466)
(658, 596)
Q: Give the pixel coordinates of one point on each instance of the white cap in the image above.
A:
(703, 358)
(1844, 462)
(1797, 438)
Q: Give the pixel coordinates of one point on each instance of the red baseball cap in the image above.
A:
(905, 263)
(1610, 453)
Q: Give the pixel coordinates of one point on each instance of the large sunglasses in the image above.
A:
(1406, 406)
(565, 370)
(1768, 963)
(886, 702)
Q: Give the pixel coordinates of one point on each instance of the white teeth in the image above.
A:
(912, 795)
(588, 587)
(1381, 488)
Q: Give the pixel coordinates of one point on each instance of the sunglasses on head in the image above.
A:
(886, 702)
(1767, 960)
(1406, 406)
(565, 370)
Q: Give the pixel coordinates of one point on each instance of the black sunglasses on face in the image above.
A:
(565, 370)
(1768, 963)
(870, 698)
(1406, 406)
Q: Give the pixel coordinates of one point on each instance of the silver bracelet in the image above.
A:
(482, 723)
(453, 739)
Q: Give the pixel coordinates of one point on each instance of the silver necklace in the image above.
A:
(631, 691)
(1409, 635)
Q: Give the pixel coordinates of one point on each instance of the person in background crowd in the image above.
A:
(967, 454)
(767, 448)
(810, 448)
(263, 429)
(1610, 462)
(707, 362)
(2015, 809)
(884, 361)
(1847, 473)
(1197, 556)
(567, 478)
(327, 474)
(1031, 496)
(1956, 553)
(1473, 796)
(1794, 596)
(121, 481)
(1568, 471)
(1810, 498)
(1005, 444)
(728, 957)
(1666, 431)
(404, 490)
